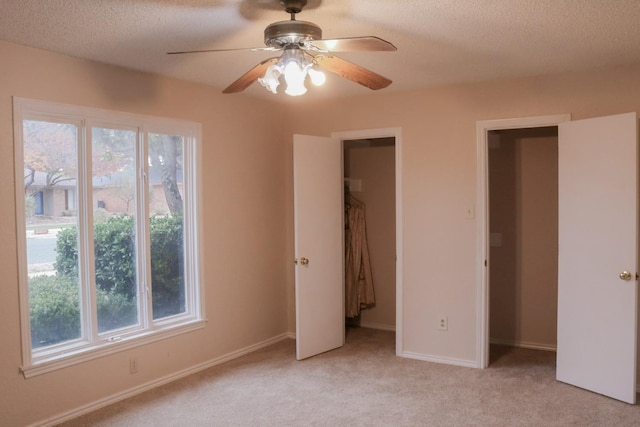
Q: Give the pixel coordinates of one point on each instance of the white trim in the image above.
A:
(105, 117)
(101, 403)
(482, 230)
(105, 348)
(439, 359)
(397, 134)
(524, 344)
(23, 275)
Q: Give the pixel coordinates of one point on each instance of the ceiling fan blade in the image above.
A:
(250, 76)
(248, 49)
(351, 71)
(351, 44)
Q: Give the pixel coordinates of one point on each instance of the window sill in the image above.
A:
(75, 357)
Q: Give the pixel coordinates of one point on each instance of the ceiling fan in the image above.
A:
(303, 48)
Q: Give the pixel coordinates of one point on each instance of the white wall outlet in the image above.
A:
(133, 365)
(443, 323)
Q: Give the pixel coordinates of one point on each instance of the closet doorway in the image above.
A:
(523, 238)
(597, 233)
(372, 165)
(369, 179)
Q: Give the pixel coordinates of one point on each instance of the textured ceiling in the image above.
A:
(439, 41)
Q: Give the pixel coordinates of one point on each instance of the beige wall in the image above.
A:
(243, 201)
(248, 210)
(523, 188)
(438, 129)
(375, 168)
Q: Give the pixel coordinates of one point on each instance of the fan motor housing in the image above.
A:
(282, 33)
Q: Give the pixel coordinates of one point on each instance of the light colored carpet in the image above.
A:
(365, 384)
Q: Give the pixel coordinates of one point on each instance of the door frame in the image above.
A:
(482, 225)
(397, 134)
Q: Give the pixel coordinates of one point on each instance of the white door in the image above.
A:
(319, 244)
(597, 302)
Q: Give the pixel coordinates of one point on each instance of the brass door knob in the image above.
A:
(304, 261)
(625, 275)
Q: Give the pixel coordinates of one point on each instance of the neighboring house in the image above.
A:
(56, 200)
(113, 193)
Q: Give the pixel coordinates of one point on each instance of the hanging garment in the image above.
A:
(358, 278)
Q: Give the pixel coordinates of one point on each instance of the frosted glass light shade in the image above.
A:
(294, 75)
(271, 79)
(317, 77)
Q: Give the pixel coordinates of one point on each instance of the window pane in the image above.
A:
(166, 224)
(114, 204)
(50, 173)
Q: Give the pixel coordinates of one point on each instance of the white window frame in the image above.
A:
(93, 345)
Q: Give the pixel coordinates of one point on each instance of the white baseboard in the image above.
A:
(66, 416)
(440, 359)
(369, 325)
(379, 326)
(523, 344)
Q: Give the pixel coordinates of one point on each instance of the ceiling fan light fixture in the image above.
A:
(302, 45)
(318, 78)
(294, 66)
(271, 78)
(294, 75)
